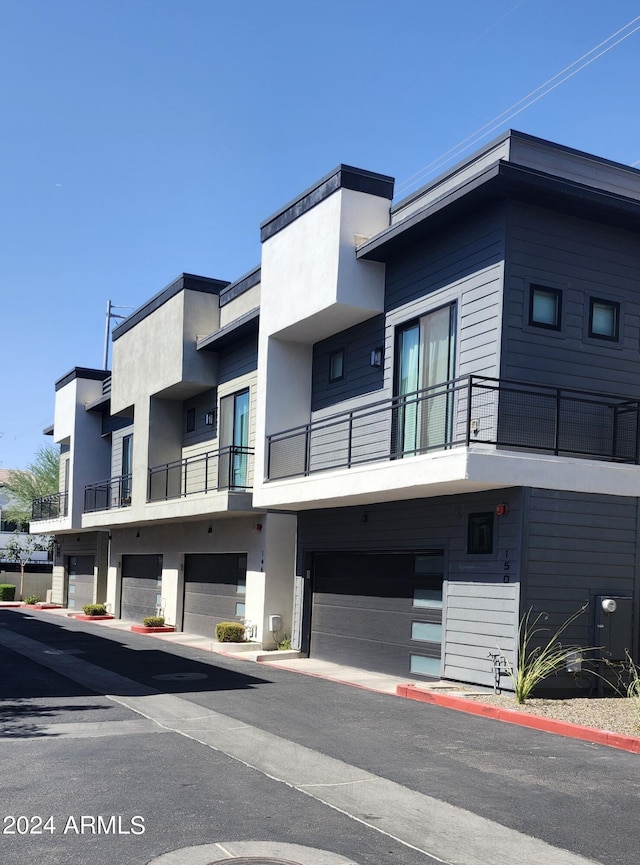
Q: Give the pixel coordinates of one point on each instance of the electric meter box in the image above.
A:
(613, 630)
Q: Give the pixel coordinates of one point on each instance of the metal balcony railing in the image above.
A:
(228, 468)
(49, 507)
(471, 410)
(109, 494)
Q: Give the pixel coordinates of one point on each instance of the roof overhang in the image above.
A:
(245, 325)
(500, 182)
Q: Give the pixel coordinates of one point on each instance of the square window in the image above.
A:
(545, 307)
(480, 533)
(604, 318)
(336, 365)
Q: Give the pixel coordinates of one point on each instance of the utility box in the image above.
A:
(613, 626)
(275, 623)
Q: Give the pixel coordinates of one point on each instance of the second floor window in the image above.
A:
(545, 307)
(604, 319)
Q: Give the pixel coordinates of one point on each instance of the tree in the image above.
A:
(21, 548)
(39, 479)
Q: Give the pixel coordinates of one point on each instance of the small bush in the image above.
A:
(284, 644)
(230, 632)
(153, 621)
(32, 599)
(7, 592)
(94, 610)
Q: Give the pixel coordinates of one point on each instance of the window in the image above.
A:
(190, 420)
(480, 533)
(604, 319)
(127, 462)
(545, 307)
(234, 441)
(425, 361)
(336, 365)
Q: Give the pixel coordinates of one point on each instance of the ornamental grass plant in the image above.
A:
(540, 655)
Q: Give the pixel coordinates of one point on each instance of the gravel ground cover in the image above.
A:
(614, 714)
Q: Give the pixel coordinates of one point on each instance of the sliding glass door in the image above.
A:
(424, 364)
(234, 440)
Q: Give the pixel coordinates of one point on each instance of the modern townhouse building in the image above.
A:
(155, 512)
(443, 398)
(450, 405)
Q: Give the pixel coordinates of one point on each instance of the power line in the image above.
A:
(530, 99)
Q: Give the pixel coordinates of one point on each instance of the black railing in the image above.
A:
(470, 410)
(49, 507)
(109, 494)
(229, 468)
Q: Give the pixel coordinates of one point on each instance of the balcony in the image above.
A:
(229, 468)
(109, 494)
(49, 507)
(473, 410)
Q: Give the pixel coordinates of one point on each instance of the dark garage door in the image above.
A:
(80, 583)
(214, 591)
(379, 611)
(141, 586)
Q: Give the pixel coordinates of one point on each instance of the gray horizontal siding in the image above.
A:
(480, 618)
(203, 403)
(579, 546)
(470, 246)
(359, 376)
(240, 359)
(420, 524)
(584, 260)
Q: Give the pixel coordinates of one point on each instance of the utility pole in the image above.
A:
(107, 328)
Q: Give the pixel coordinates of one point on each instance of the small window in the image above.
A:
(604, 318)
(480, 533)
(336, 365)
(545, 307)
(191, 420)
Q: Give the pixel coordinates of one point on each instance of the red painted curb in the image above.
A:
(141, 629)
(43, 605)
(512, 716)
(82, 618)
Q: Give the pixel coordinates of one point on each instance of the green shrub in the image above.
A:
(284, 644)
(153, 621)
(94, 610)
(32, 599)
(230, 632)
(7, 592)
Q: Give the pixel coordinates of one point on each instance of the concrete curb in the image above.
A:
(512, 716)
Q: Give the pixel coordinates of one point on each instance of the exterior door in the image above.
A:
(80, 584)
(424, 364)
(234, 440)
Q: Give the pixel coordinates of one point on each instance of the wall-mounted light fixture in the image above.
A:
(376, 356)
(208, 418)
(138, 533)
(210, 529)
(258, 527)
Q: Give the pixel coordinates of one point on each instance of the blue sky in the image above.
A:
(144, 138)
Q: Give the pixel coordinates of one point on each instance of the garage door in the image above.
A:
(379, 611)
(141, 587)
(214, 591)
(80, 582)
